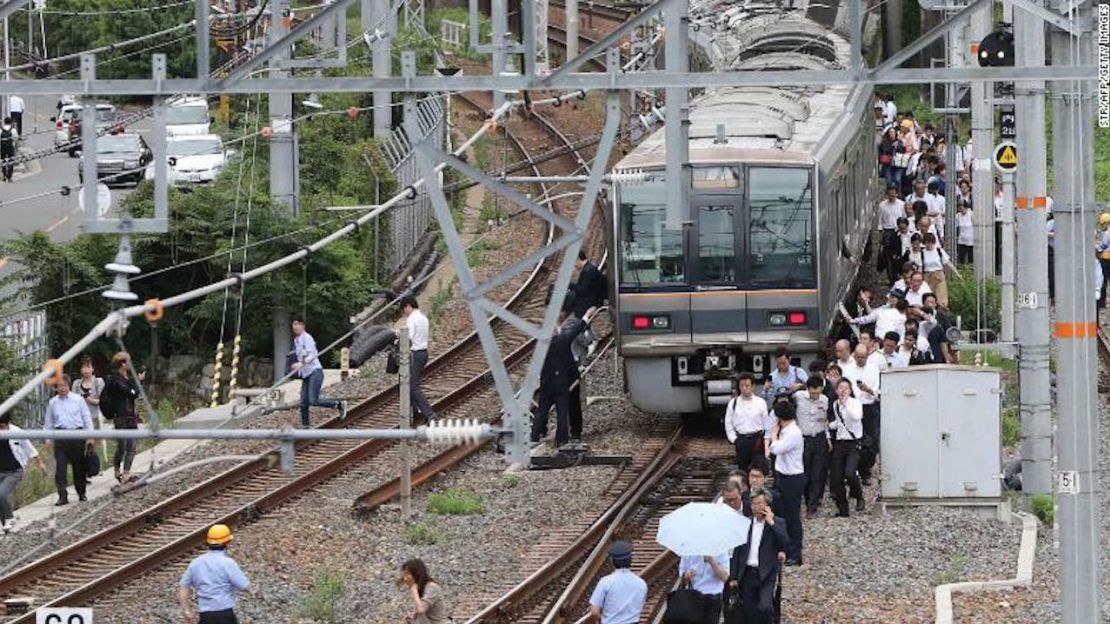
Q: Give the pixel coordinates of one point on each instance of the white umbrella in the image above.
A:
(702, 529)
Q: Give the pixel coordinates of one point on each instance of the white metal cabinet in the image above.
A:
(941, 432)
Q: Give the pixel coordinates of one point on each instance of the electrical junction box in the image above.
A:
(941, 435)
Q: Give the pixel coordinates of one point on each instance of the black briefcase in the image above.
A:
(776, 606)
(92, 463)
(392, 362)
(684, 606)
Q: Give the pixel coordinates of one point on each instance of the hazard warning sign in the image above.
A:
(1005, 156)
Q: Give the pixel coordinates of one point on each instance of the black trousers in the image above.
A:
(561, 401)
(869, 453)
(711, 608)
(575, 409)
(791, 490)
(845, 463)
(815, 461)
(1052, 272)
(1105, 264)
(416, 376)
(746, 445)
(888, 251)
(227, 616)
(69, 453)
(757, 597)
(965, 254)
(17, 121)
(7, 170)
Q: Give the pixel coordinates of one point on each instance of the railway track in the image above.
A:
(670, 471)
(109, 559)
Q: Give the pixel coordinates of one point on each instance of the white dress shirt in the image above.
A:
(754, 542)
(23, 450)
(889, 211)
(417, 325)
(868, 374)
(705, 580)
(877, 358)
(812, 414)
(851, 413)
(896, 359)
(788, 450)
(16, 105)
(965, 227)
(68, 413)
(745, 416)
(886, 319)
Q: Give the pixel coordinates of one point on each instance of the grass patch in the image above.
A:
(483, 159)
(964, 301)
(510, 481)
(440, 301)
(1043, 508)
(455, 503)
(322, 602)
(476, 253)
(420, 534)
(997, 360)
(1011, 427)
(491, 213)
(957, 566)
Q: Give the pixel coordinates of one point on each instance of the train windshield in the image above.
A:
(781, 236)
(651, 253)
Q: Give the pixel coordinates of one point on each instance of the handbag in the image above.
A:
(392, 362)
(902, 159)
(92, 463)
(885, 159)
(684, 606)
(836, 410)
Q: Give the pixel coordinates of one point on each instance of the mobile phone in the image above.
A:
(859, 382)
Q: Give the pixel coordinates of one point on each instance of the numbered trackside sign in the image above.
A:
(1006, 156)
(63, 616)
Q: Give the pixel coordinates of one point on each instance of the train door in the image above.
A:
(714, 251)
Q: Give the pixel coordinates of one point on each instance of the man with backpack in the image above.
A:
(8, 136)
(785, 379)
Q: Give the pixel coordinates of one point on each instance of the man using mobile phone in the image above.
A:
(864, 376)
(755, 563)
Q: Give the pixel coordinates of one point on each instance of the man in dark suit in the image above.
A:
(591, 289)
(755, 573)
(560, 370)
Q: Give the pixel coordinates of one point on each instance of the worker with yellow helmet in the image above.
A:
(1102, 248)
(216, 578)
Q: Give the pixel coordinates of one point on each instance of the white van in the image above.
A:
(188, 117)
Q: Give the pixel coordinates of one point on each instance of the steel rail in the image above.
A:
(539, 581)
(369, 410)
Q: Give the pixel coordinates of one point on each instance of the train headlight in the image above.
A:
(661, 322)
(644, 322)
(777, 319)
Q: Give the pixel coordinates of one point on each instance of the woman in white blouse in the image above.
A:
(847, 425)
(934, 261)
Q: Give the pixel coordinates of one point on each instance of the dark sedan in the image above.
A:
(120, 158)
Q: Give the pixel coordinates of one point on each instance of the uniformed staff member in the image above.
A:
(619, 597)
(216, 578)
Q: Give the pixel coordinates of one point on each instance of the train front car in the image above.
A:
(769, 242)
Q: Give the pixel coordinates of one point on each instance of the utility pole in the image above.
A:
(677, 58)
(1032, 274)
(982, 140)
(283, 167)
(499, 15)
(406, 422)
(7, 64)
(571, 20)
(1009, 262)
(955, 50)
(382, 14)
(892, 27)
(1077, 407)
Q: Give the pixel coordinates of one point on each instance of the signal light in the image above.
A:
(641, 322)
(997, 50)
(796, 318)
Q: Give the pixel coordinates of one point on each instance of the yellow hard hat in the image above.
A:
(1104, 218)
(219, 534)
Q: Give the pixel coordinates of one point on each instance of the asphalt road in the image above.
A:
(59, 216)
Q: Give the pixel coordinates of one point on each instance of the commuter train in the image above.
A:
(780, 205)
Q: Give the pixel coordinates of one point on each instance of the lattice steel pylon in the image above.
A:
(517, 401)
(414, 15)
(543, 60)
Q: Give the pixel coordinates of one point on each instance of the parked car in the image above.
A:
(67, 125)
(194, 159)
(189, 117)
(120, 158)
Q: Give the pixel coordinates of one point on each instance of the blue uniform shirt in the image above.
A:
(620, 596)
(792, 376)
(216, 577)
(69, 413)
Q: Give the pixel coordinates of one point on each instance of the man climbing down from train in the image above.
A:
(559, 373)
(786, 377)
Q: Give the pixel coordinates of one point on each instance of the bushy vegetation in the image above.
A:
(976, 306)
(1043, 508)
(1011, 427)
(421, 534)
(322, 603)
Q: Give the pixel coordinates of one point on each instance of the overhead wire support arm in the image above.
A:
(10, 7)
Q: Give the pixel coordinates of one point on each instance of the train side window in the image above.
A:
(716, 178)
(780, 243)
(650, 252)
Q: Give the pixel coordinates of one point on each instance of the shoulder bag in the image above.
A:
(836, 410)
